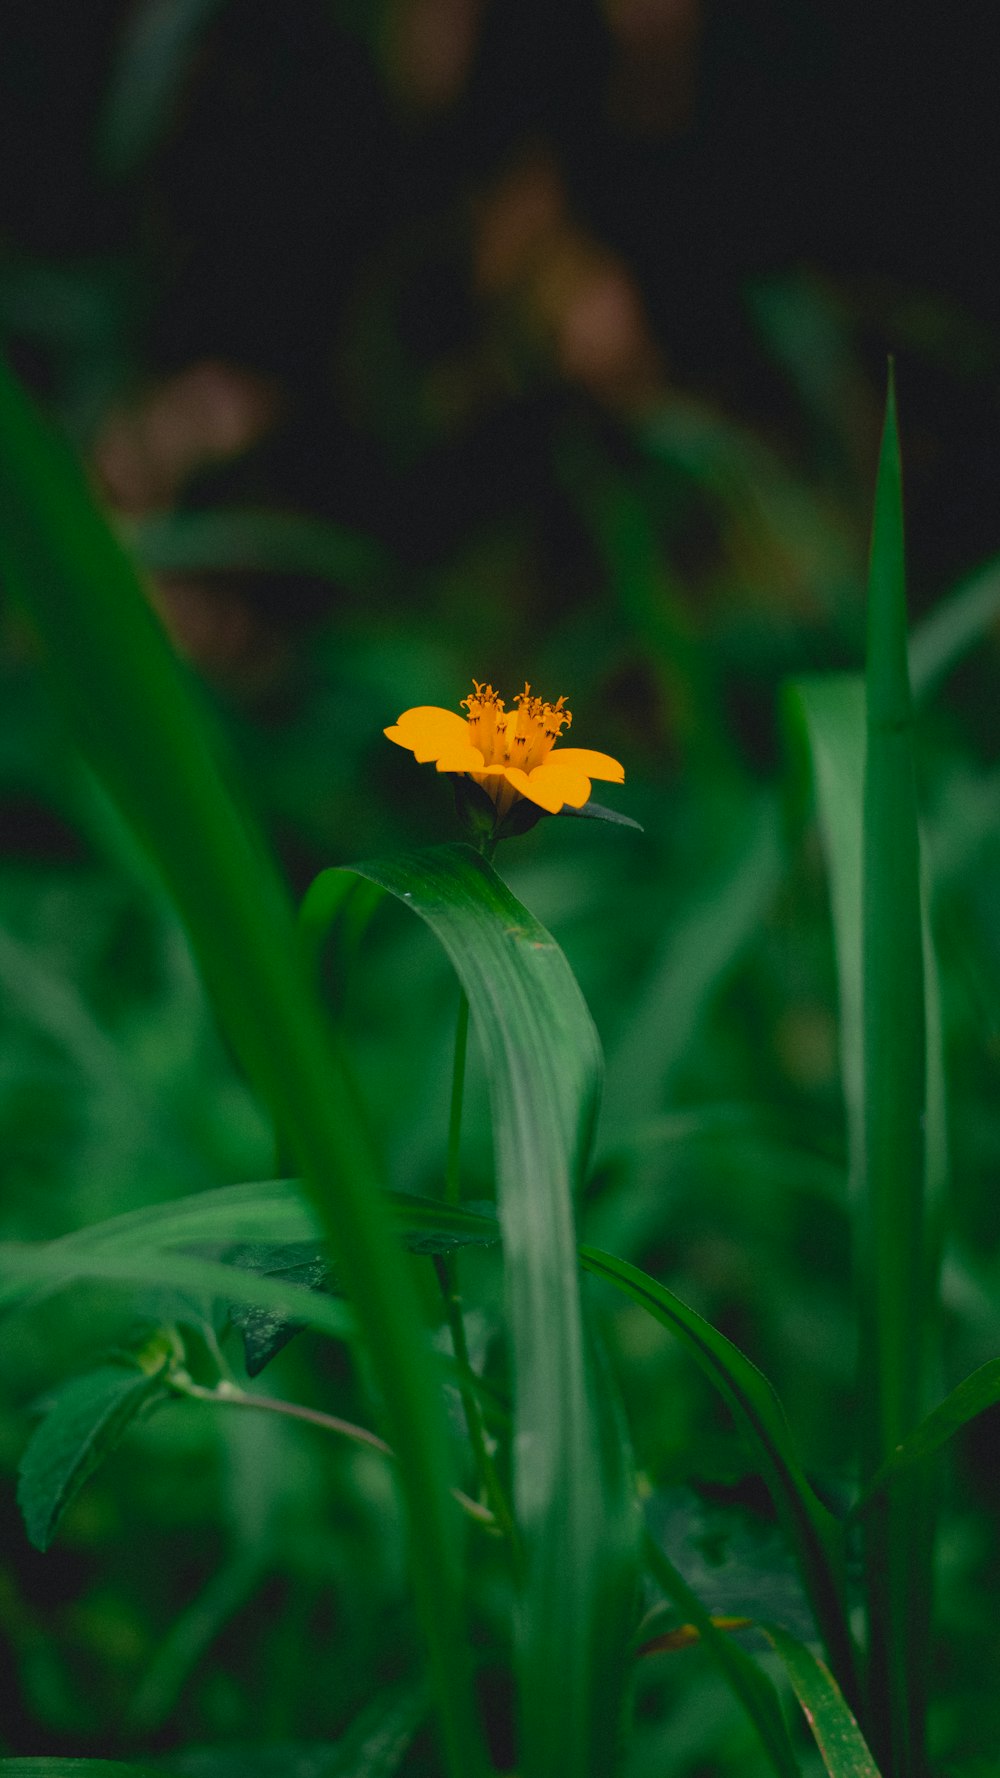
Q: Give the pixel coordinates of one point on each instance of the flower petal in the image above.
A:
(596, 765)
(428, 731)
(460, 759)
(550, 787)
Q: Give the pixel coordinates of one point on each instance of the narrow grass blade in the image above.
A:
(891, 1245)
(267, 1210)
(831, 713)
(842, 1746)
(575, 1512)
(747, 1681)
(26, 1265)
(124, 696)
(814, 1533)
(970, 1398)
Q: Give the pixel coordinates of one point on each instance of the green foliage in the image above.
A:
(84, 1423)
(543, 1065)
(234, 1588)
(813, 1533)
(842, 1746)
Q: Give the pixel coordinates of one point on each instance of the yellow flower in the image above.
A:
(510, 753)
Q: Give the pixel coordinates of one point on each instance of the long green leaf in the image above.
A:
(120, 687)
(814, 1534)
(543, 1066)
(26, 1264)
(843, 1748)
(266, 1210)
(746, 1680)
(891, 1258)
(970, 1398)
(831, 713)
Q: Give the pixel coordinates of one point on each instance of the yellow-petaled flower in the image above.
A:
(510, 753)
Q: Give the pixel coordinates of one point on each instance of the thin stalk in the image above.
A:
(231, 1395)
(892, 1276)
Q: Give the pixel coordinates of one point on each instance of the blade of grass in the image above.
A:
(970, 1398)
(891, 1244)
(573, 1504)
(843, 1748)
(119, 685)
(747, 1681)
(268, 1210)
(814, 1533)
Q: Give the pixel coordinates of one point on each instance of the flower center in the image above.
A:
(521, 737)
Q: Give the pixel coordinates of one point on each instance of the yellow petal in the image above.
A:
(428, 731)
(596, 765)
(460, 759)
(549, 787)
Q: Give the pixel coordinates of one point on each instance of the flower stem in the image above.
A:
(231, 1395)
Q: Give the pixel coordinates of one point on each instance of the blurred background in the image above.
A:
(412, 340)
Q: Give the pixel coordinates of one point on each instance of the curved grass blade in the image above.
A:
(267, 1210)
(121, 689)
(970, 1398)
(576, 1518)
(891, 1250)
(843, 1748)
(748, 1682)
(814, 1534)
(25, 1265)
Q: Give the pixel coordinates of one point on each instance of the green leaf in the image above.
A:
(842, 1746)
(749, 1684)
(88, 1418)
(132, 713)
(573, 1504)
(971, 1397)
(597, 812)
(831, 714)
(266, 1331)
(267, 1210)
(814, 1534)
(891, 1246)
